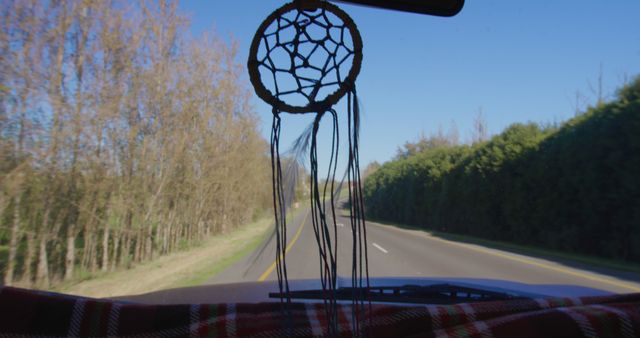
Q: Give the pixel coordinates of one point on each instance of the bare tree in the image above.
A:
(597, 89)
(149, 143)
(453, 135)
(480, 132)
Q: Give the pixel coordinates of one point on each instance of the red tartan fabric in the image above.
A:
(26, 313)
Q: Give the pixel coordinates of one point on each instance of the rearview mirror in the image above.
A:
(430, 7)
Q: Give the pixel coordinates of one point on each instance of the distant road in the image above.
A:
(395, 252)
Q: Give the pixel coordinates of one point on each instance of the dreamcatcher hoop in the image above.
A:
(260, 38)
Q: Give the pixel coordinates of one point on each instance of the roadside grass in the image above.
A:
(326, 196)
(344, 194)
(202, 274)
(189, 267)
(527, 250)
(205, 273)
(183, 268)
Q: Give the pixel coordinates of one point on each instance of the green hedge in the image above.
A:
(575, 188)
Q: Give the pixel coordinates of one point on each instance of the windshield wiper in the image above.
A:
(415, 294)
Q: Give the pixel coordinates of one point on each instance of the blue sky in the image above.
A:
(518, 61)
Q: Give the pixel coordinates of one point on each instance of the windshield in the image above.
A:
(498, 149)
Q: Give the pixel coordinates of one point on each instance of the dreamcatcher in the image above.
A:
(304, 58)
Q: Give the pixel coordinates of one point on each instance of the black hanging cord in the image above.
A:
(360, 261)
(327, 246)
(302, 38)
(280, 215)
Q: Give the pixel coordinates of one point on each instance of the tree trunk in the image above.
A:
(126, 249)
(173, 237)
(200, 229)
(116, 245)
(105, 249)
(180, 234)
(42, 270)
(13, 243)
(149, 247)
(138, 248)
(86, 249)
(89, 252)
(42, 273)
(70, 256)
(165, 238)
(93, 258)
(27, 274)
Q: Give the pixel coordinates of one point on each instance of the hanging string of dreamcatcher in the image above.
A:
(297, 64)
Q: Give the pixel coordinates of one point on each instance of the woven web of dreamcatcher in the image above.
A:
(306, 60)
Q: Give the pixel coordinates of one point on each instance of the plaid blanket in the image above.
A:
(33, 313)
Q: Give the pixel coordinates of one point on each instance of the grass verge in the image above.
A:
(208, 272)
(184, 268)
(200, 276)
(527, 250)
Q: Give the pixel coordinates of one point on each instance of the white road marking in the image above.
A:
(341, 225)
(380, 248)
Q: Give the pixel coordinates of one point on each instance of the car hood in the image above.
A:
(254, 292)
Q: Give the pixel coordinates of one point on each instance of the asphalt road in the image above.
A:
(395, 252)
